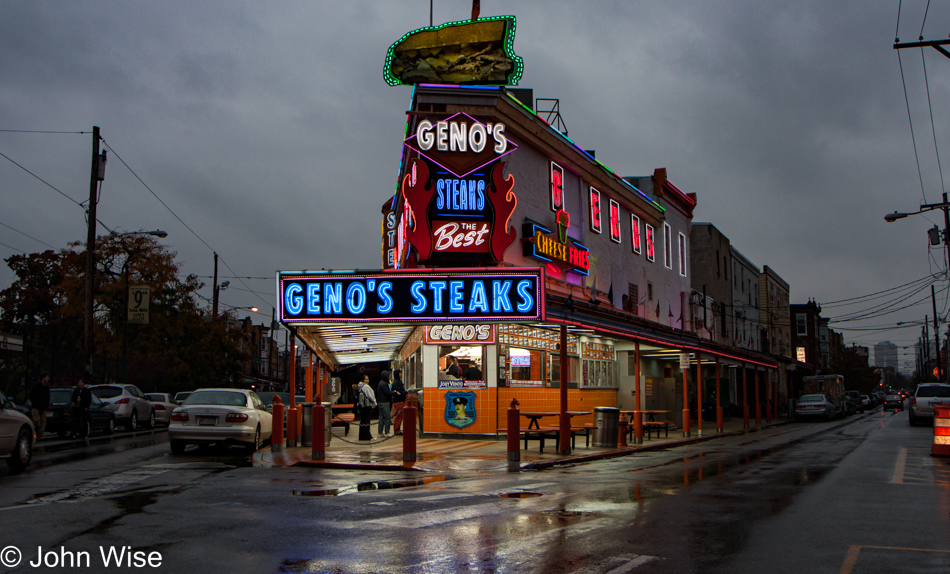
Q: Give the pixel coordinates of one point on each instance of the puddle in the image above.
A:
(374, 485)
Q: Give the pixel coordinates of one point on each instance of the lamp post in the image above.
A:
(125, 311)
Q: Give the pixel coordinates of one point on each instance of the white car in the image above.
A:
(17, 436)
(221, 416)
(163, 404)
(129, 403)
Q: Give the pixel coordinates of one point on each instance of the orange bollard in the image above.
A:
(514, 433)
(622, 431)
(291, 427)
(409, 434)
(277, 427)
(319, 442)
(638, 427)
(685, 422)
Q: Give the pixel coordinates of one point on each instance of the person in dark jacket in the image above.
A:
(82, 400)
(384, 398)
(364, 403)
(453, 368)
(399, 400)
(39, 402)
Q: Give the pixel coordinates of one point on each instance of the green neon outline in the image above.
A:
(514, 76)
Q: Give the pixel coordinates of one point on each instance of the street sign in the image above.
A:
(684, 361)
(138, 304)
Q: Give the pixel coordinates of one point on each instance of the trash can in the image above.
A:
(606, 426)
(329, 423)
(307, 424)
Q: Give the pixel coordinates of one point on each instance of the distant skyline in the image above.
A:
(271, 136)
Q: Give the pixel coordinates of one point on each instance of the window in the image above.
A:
(633, 298)
(635, 233)
(614, 221)
(801, 324)
(594, 210)
(651, 255)
(718, 269)
(667, 246)
(557, 187)
(682, 253)
(649, 291)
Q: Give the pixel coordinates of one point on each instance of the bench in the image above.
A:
(656, 426)
(344, 420)
(542, 433)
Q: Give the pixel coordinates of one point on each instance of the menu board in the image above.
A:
(535, 338)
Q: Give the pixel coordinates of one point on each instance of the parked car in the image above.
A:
(180, 397)
(893, 402)
(17, 436)
(163, 404)
(129, 404)
(866, 403)
(921, 404)
(815, 406)
(854, 397)
(220, 416)
(60, 418)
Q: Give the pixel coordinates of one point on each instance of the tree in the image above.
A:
(180, 348)
(853, 366)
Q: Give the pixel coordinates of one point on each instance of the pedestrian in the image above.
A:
(82, 400)
(365, 401)
(453, 368)
(39, 402)
(399, 400)
(384, 396)
(473, 373)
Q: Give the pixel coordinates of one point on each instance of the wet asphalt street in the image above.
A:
(860, 495)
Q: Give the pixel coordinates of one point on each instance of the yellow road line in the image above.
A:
(899, 467)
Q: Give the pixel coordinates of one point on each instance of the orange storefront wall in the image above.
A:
(529, 400)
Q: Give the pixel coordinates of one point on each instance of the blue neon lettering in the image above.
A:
(437, 288)
(499, 297)
(313, 298)
(527, 300)
(479, 300)
(292, 301)
(463, 195)
(440, 189)
(455, 194)
(386, 300)
(355, 298)
(420, 305)
(481, 195)
(333, 298)
(455, 297)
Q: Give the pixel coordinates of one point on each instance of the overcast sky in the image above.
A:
(268, 129)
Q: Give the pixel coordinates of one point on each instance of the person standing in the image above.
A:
(82, 400)
(365, 401)
(39, 403)
(453, 368)
(399, 400)
(384, 396)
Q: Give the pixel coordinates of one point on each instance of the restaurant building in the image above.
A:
(504, 241)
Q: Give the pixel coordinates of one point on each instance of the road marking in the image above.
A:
(855, 550)
(899, 467)
(436, 517)
(94, 488)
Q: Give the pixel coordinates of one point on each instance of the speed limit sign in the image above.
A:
(138, 304)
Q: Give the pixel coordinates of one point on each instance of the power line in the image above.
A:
(40, 132)
(12, 247)
(27, 235)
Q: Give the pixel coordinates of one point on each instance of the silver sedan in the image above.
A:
(815, 406)
(220, 416)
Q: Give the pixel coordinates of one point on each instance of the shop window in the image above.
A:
(554, 373)
(526, 367)
(458, 363)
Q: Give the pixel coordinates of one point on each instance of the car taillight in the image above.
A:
(913, 401)
(159, 407)
(179, 416)
(236, 418)
(122, 401)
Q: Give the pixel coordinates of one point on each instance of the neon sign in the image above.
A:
(471, 295)
(539, 243)
(460, 335)
(651, 256)
(635, 233)
(459, 143)
(614, 221)
(557, 187)
(594, 210)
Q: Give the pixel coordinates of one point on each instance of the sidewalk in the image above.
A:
(446, 455)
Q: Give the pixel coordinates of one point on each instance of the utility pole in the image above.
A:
(214, 298)
(97, 173)
(933, 299)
